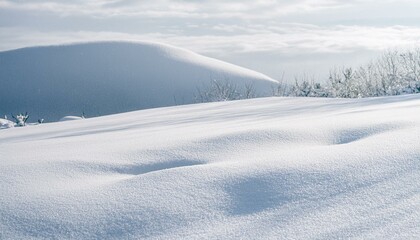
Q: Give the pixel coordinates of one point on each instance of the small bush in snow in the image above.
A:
(219, 91)
(394, 73)
(21, 119)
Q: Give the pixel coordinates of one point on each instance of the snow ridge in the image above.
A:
(270, 168)
(102, 78)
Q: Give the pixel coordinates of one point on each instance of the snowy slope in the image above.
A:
(273, 168)
(5, 123)
(102, 78)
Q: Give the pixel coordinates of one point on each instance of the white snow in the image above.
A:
(70, 118)
(4, 123)
(102, 78)
(272, 168)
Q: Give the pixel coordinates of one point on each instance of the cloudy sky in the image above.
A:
(274, 37)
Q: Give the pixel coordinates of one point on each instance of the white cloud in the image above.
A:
(183, 9)
(283, 38)
(223, 29)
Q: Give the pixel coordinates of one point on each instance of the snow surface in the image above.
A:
(4, 123)
(273, 168)
(70, 118)
(102, 78)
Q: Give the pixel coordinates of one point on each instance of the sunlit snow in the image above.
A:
(269, 168)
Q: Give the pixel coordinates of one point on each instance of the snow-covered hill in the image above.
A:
(273, 168)
(5, 123)
(109, 77)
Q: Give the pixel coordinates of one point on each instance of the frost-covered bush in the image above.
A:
(224, 90)
(393, 73)
(21, 119)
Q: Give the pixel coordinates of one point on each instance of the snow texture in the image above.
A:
(4, 123)
(268, 168)
(102, 78)
(70, 118)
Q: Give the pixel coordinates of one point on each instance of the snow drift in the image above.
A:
(70, 118)
(4, 123)
(274, 168)
(109, 77)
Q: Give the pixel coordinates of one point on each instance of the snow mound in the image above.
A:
(4, 123)
(70, 118)
(273, 168)
(103, 78)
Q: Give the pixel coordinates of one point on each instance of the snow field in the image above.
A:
(270, 168)
(102, 78)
